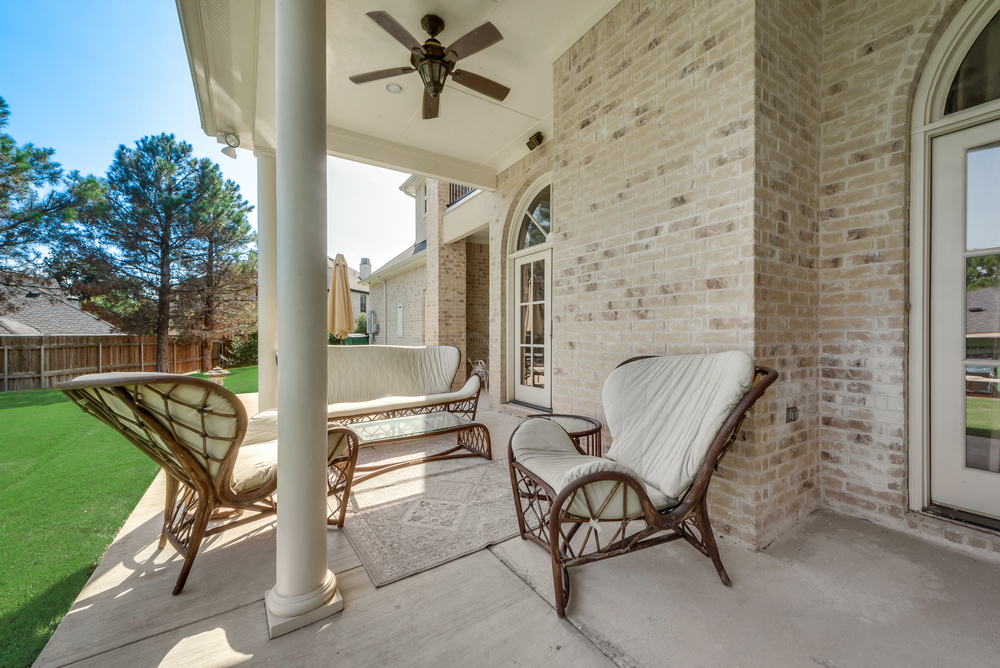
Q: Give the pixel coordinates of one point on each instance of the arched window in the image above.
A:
(536, 224)
(978, 78)
(530, 290)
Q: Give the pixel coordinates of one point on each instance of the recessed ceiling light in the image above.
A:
(394, 88)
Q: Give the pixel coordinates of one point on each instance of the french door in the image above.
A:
(965, 320)
(533, 331)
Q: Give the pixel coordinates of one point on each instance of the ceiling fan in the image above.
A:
(435, 63)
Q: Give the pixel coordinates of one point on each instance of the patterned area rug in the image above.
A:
(419, 517)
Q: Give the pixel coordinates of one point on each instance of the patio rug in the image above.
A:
(408, 521)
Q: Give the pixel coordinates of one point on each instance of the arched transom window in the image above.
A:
(978, 78)
(536, 225)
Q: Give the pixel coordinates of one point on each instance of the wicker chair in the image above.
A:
(672, 419)
(218, 463)
(477, 351)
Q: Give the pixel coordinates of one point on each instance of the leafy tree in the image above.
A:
(36, 201)
(130, 253)
(982, 272)
(220, 300)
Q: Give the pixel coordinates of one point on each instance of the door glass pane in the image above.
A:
(538, 323)
(982, 418)
(526, 366)
(525, 325)
(982, 198)
(538, 368)
(982, 307)
(538, 278)
(978, 78)
(525, 282)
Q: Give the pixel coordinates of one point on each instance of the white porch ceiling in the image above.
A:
(230, 46)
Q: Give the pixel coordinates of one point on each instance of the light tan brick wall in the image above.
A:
(477, 288)
(737, 178)
(653, 204)
(785, 470)
(871, 54)
(445, 306)
(406, 289)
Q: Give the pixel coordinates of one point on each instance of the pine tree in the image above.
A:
(219, 302)
(36, 201)
(129, 254)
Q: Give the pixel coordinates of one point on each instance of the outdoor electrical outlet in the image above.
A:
(791, 414)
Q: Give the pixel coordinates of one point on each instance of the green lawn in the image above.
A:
(240, 380)
(982, 416)
(67, 485)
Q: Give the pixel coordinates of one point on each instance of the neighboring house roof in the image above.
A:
(983, 315)
(408, 259)
(43, 309)
(353, 277)
(11, 327)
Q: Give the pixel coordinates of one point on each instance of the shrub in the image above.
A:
(240, 351)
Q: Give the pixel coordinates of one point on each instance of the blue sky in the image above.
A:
(84, 77)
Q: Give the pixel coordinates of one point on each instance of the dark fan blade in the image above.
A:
(391, 26)
(475, 41)
(487, 87)
(381, 74)
(430, 106)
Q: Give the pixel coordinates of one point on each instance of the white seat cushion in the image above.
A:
(364, 373)
(664, 413)
(255, 465)
(390, 403)
(543, 447)
(261, 427)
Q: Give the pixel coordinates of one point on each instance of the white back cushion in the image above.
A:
(363, 373)
(664, 412)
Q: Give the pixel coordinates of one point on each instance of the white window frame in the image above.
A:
(929, 122)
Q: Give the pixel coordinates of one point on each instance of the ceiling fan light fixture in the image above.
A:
(433, 73)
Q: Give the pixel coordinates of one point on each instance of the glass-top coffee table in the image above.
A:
(473, 438)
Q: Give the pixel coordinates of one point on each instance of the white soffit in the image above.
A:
(230, 46)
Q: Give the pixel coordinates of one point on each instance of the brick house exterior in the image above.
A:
(730, 179)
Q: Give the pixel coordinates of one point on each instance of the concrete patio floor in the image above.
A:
(833, 591)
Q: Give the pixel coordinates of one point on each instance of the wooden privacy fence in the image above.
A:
(30, 362)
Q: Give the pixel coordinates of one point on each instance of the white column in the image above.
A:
(305, 589)
(267, 284)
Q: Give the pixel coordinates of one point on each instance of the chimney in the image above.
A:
(366, 268)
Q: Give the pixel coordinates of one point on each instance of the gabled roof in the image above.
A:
(41, 308)
(412, 257)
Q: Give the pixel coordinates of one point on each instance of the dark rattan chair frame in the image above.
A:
(193, 498)
(543, 515)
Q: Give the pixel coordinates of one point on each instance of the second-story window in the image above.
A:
(364, 299)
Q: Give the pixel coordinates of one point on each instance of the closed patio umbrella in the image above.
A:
(339, 313)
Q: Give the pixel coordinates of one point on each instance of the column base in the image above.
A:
(278, 626)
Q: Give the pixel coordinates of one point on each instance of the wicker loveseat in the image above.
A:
(377, 382)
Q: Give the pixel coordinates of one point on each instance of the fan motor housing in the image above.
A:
(433, 25)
